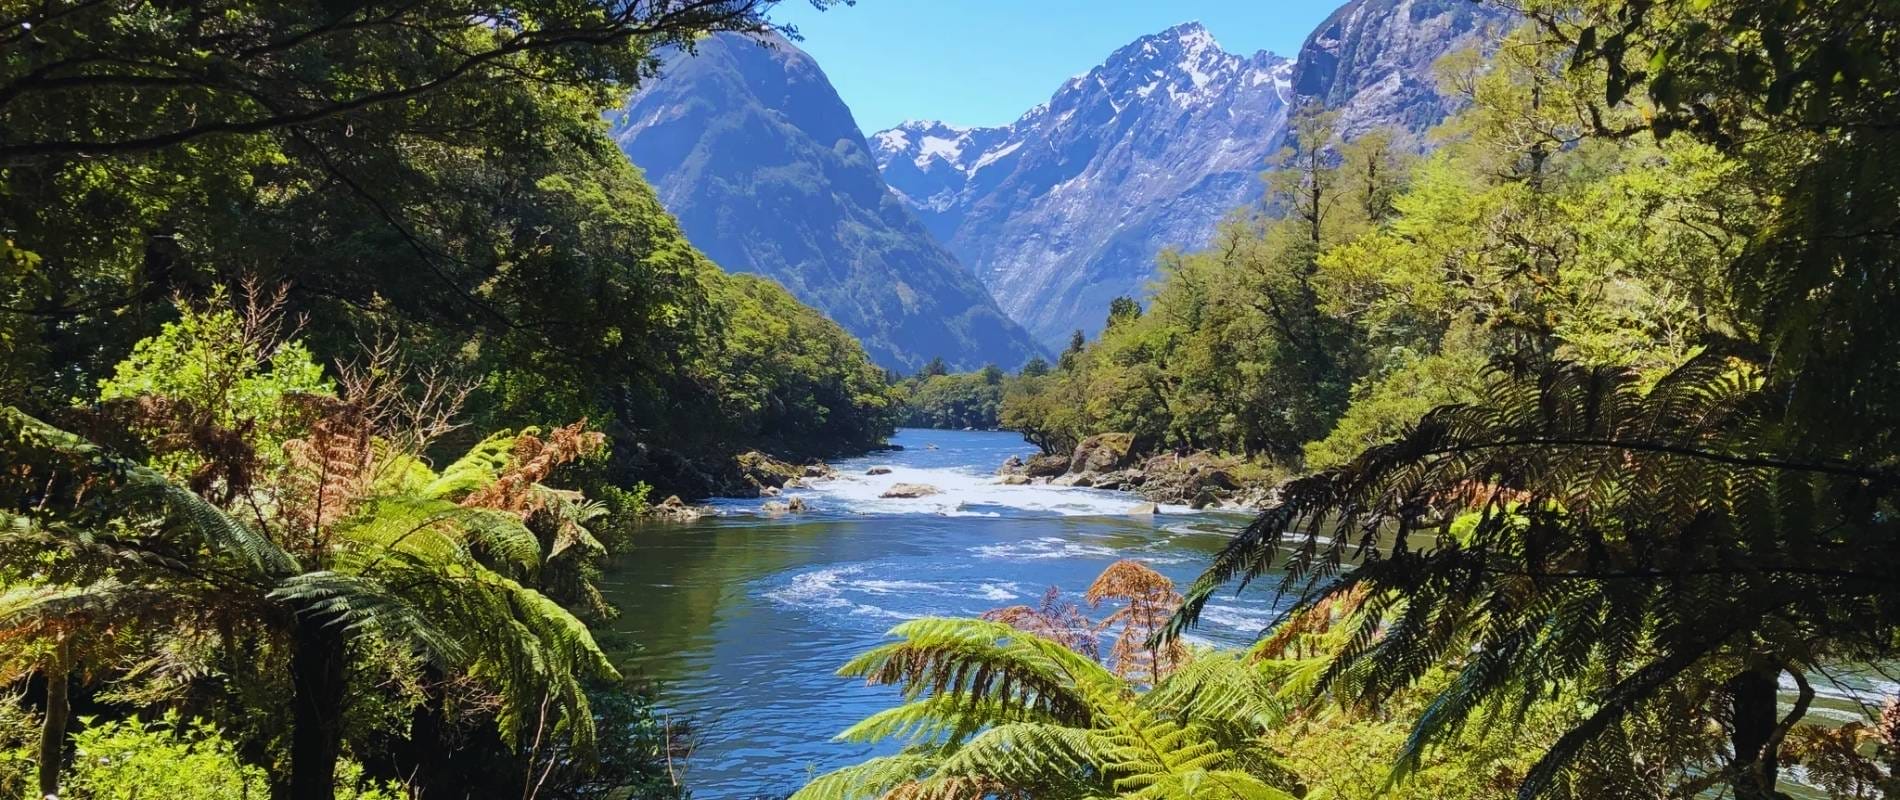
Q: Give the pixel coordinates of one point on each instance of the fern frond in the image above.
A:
(869, 780)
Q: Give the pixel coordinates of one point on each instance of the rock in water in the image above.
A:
(878, 471)
(1046, 466)
(1205, 500)
(795, 505)
(1144, 510)
(910, 491)
(1101, 453)
(1015, 480)
(675, 510)
(1014, 466)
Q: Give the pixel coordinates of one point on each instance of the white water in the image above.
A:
(965, 491)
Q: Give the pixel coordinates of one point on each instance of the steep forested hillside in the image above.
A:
(767, 172)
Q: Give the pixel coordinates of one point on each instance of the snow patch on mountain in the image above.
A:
(1067, 207)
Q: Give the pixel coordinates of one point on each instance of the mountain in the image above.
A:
(1066, 208)
(1371, 60)
(749, 146)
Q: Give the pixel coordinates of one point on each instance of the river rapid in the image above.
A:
(744, 617)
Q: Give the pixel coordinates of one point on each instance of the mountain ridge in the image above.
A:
(749, 146)
(1054, 253)
(1066, 208)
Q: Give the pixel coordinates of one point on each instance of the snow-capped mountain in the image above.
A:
(1067, 207)
(750, 147)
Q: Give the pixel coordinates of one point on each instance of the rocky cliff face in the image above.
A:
(1372, 59)
(1067, 207)
(753, 151)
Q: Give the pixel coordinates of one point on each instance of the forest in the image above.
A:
(1588, 401)
(340, 348)
(263, 264)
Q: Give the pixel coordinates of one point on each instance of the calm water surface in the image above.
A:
(744, 617)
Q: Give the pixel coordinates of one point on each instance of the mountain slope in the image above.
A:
(766, 170)
(1371, 60)
(1067, 207)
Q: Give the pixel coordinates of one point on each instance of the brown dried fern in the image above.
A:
(1150, 600)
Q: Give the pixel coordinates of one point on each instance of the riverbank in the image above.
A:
(1108, 461)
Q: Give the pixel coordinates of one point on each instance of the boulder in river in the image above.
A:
(1014, 480)
(819, 470)
(878, 471)
(911, 490)
(1205, 499)
(675, 510)
(795, 505)
(775, 507)
(1102, 452)
(762, 470)
(1046, 466)
(768, 491)
(1144, 510)
(1218, 478)
(1014, 466)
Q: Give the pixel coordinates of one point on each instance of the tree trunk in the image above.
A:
(58, 713)
(1754, 694)
(424, 760)
(317, 661)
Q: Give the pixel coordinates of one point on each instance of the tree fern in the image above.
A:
(994, 711)
(1576, 519)
(439, 576)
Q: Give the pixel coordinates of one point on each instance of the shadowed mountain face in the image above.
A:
(752, 150)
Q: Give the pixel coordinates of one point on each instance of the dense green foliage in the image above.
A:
(272, 513)
(1675, 492)
(1604, 389)
(236, 516)
(1022, 703)
(465, 206)
(933, 399)
(1379, 285)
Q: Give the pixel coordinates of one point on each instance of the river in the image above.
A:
(743, 617)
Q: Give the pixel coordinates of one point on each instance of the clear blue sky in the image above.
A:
(984, 62)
